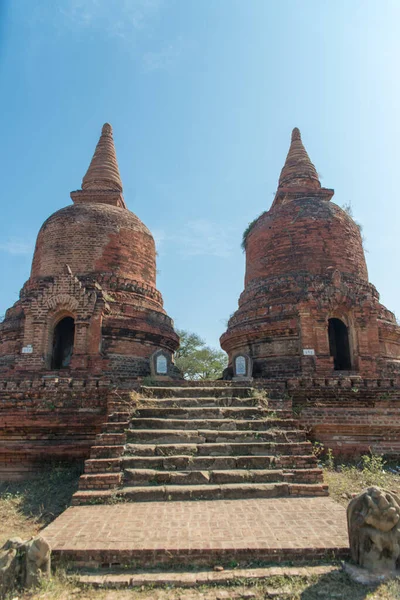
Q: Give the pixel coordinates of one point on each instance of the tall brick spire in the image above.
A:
(102, 182)
(298, 170)
(103, 173)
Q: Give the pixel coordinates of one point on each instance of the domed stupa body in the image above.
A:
(91, 303)
(307, 306)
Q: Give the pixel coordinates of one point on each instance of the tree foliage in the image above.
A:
(198, 361)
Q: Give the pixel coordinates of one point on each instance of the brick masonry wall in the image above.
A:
(49, 420)
(349, 415)
(57, 419)
(11, 335)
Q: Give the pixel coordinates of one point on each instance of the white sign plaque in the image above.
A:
(27, 349)
(161, 366)
(240, 363)
(308, 351)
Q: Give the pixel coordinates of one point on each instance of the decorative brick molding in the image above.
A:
(46, 303)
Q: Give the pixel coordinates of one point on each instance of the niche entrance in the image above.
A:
(63, 343)
(339, 346)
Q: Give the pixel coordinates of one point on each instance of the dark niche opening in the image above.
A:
(63, 343)
(339, 346)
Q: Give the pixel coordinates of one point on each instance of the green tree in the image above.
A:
(198, 361)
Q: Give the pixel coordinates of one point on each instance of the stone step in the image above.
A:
(219, 424)
(196, 392)
(199, 402)
(162, 560)
(117, 578)
(144, 477)
(100, 481)
(215, 449)
(115, 427)
(118, 416)
(232, 412)
(206, 436)
(106, 451)
(190, 462)
(102, 465)
(200, 492)
(200, 443)
(110, 439)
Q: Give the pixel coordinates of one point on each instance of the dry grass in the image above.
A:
(26, 507)
(335, 585)
(131, 402)
(346, 480)
(260, 397)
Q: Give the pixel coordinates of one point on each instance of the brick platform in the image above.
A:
(204, 532)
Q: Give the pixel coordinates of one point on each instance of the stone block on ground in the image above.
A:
(23, 563)
(373, 526)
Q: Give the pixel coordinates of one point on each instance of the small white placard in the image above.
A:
(27, 349)
(240, 363)
(308, 351)
(161, 365)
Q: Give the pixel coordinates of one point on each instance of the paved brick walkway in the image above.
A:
(153, 532)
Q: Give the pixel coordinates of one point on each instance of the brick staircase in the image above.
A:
(200, 443)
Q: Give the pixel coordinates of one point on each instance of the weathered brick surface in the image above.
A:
(305, 264)
(94, 238)
(204, 532)
(350, 416)
(307, 235)
(42, 419)
(48, 420)
(94, 261)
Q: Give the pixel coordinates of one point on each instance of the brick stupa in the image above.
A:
(308, 307)
(91, 303)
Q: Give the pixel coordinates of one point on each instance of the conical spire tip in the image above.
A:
(296, 135)
(103, 173)
(107, 129)
(298, 170)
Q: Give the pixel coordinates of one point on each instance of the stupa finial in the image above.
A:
(296, 135)
(103, 173)
(298, 170)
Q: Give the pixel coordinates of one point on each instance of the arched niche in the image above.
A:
(63, 343)
(161, 364)
(242, 366)
(339, 345)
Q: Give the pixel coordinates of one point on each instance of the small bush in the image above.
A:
(248, 229)
(348, 479)
(261, 396)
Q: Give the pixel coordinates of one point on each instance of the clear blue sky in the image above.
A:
(202, 96)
